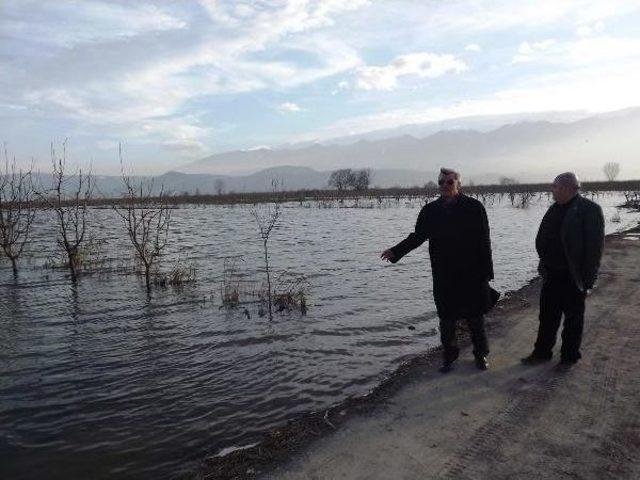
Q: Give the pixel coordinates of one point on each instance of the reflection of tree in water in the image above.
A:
(13, 314)
(74, 303)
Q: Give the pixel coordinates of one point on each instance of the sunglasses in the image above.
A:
(448, 182)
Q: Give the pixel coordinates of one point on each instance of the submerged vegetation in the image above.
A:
(90, 257)
(179, 275)
(632, 200)
(288, 293)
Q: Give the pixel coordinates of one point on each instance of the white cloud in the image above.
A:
(342, 85)
(581, 52)
(473, 47)
(495, 15)
(596, 50)
(243, 10)
(615, 89)
(288, 107)
(44, 22)
(527, 52)
(280, 17)
(588, 29)
(422, 65)
(136, 88)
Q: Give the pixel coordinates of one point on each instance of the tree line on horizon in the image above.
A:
(345, 178)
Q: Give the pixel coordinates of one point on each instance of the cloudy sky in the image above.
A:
(176, 81)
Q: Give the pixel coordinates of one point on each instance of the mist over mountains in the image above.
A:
(529, 151)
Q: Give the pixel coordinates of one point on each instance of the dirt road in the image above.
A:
(511, 422)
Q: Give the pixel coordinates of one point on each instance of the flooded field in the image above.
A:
(102, 380)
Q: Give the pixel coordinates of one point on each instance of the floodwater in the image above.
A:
(101, 380)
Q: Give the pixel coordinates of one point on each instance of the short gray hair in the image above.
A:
(568, 179)
(448, 171)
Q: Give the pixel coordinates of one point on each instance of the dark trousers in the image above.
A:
(559, 296)
(449, 338)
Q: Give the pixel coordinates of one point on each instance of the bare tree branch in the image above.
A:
(611, 170)
(146, 218)
(17, 209)
(69, 204)
(266, 220)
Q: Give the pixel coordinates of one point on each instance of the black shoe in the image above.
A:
(564, 364)
(482, 363)
(534, 359)
(447, 365)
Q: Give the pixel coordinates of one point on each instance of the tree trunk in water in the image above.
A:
(147, 275)
(72, 267)
(14, 266)
(266, 263)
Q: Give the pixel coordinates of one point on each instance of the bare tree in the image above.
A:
(341, 179)
(17, 210)
(508, 181)
(219, 186)
(611, 170)
(69, 203)
(266, 220)
(346, 178)
(146, 218)
(361, 179)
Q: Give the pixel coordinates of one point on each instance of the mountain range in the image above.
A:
(531, 150)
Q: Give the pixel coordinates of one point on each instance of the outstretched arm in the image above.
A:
(413, 240)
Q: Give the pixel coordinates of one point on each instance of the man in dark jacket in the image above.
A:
(569, 242)
(460, 250)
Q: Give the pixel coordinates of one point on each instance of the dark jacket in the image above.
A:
(582, 235)
(460, 251)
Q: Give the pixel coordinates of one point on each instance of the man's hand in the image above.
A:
(388, 255)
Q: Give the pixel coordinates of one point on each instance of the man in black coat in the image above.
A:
(570, 241)
(460, 250)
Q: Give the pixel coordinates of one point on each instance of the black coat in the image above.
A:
(460, 251)
(582, 235)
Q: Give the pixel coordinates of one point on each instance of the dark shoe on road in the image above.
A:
(482, 363)
(564, 365)
(447, 365)
(534, 359)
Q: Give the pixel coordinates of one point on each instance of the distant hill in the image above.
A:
(529, 151)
